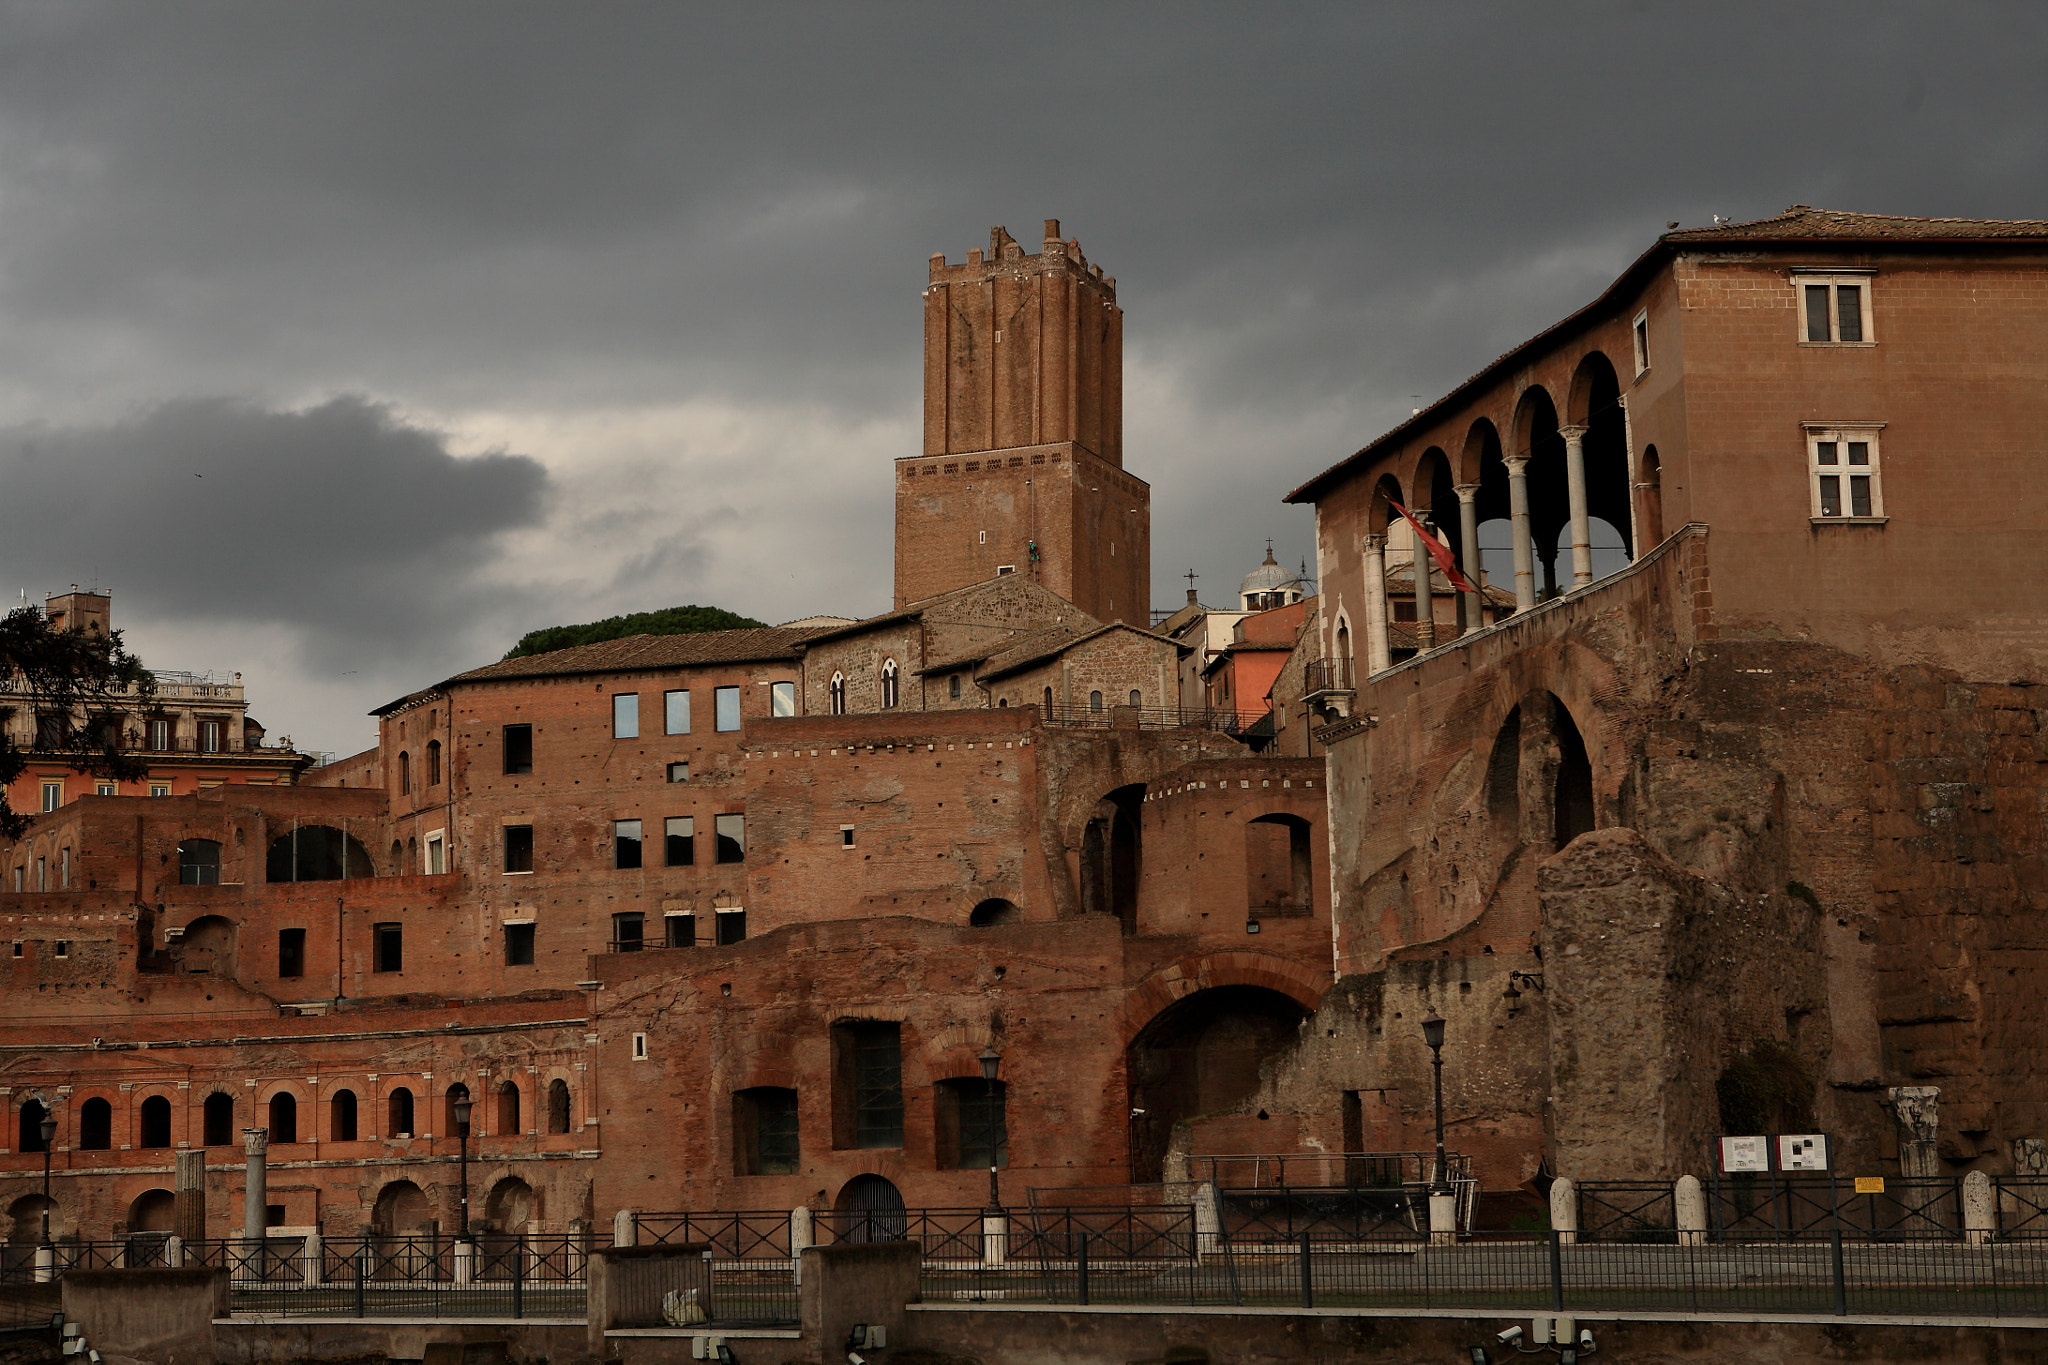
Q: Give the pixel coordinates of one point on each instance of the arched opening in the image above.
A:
(398, 1113)
(1595, 404)
(995, 910)
(1573, 802)
(558, 1106)
(317, 853)
(95, 1125)
(837, 689)
(404, 773)
(1095, 701)
(25, 1217)
(889, 693)
(457, 1091)
(1344, 646)
(1504, 785)
(510, 1205)
(1278, 865)
(508, 1109)
(208, 945)
(199, 862)
(29, 1135)
(397, 858)
(1491, 561)
(1650, 502)
(1112, 856)
(156, 1122)
(341, 1116)
(284, 1117)
(153, 1211)
(217, 1120)
(1047, 704)
(433, 762)
(1201, 1055)
(401, 1207)
(870, 1209)
(1536, 437)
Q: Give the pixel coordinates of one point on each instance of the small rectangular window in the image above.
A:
(625, 843)
(160, 735)
(681, 930)
(437, 855)
(210, 736)
(387, 947)
(731, 838)
(1641, 332)
(732, 925)
(629, 932)
(519, 945)
(846, 836)
(1834, 312)
(867, 1084)
(639, 1047)
(291, 952)
(679, 772)
(782, 699)
(53, 796)
(1842, 466)
(63, 947)
(159, 789)
(519, 748)
(675, 712)
(519, 848)
(626, 715)
(726, 708)
(679, 835)
(105, 789)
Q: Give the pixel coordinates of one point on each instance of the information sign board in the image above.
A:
(1803, 1152)
(1745, 1154)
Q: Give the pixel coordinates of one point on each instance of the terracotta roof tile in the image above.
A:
(654, 651)
(1801, 223)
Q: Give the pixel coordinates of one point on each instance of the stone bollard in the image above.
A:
(174, 1252)
(1689, 1204)
(1564, 1210)
(625, 1229)
(465, 1262)
(1208, 1220)
(802, 1233)
(46, 1264)
(1979, 1215)
(995, 1239)
(311, 1264)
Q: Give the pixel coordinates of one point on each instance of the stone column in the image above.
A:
(1525, 547)
(1918, 1110)
(1689, 1207)
(188, 1206)
(995, 1239)
(802, 1233)
(1564, 1210)
(1575, 488)
(174, 1252)
(1208, 1220)
(625, 1229)
(255, 1199)
(1425, 595)
(1979, 1218)
(313, 1265)
(1378, 653)
(1468, 555)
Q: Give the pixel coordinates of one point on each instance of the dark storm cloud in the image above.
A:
(338, 521)
(1319, 217)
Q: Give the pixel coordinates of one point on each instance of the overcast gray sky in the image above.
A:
(347, 341)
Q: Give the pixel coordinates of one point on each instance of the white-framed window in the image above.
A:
(159, 789)
(160, 734)
(212, 737)
(625, 715)
(846, 836)
(1834, 310)
(639, 1047)
(53, 796)
(725, 709)
(675, 711)
(837, 689)
(437, 853)
(1641, 333)
(105, 789)
(889, 693)
(782, 699)
(1842, 471)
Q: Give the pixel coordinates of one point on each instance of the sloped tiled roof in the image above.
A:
(654, 651)
(1049, 643)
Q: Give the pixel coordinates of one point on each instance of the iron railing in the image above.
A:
(1147, 718)
(1327, 675)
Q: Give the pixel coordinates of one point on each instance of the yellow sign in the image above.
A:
(1870, 1184)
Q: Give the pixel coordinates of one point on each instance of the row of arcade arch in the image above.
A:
(1556, 493)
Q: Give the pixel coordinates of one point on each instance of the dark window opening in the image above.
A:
(731, 838)
(291, 952)
(404, 773)
(508, 1109)
(1279, 867)
(95, 1125)
(284, 1117)
(387, 951)
(992, 911)
(451, 1125)
(433, 762)
(341, 1116)
(273, 1215)
(398, 1114)
(519, 748)
(682, 930)
(625, 843)
(1574, 793)
(519, 945)
(679, 772)
(199, 862)
(518, 848)
(628, 932)
(217, 1120)
(953, 686)
(973, 1129)
(867, 1066)
(317, 853)
(156, 1122)
(679, 840)
(764, 1131)
(558, 1106)
(732, 927)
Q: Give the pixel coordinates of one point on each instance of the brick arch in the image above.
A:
(757, 1070)
(1302, 984)
(953, 1053)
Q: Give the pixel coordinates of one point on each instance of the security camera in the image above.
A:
(855, 1358)
(1508, 1336)
(1586, 1340)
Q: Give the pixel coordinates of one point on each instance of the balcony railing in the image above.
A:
(1328, 675)
(1147, 718)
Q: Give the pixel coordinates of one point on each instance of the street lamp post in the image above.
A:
(461, 1105)
(990, 1060)
(1442, 1206)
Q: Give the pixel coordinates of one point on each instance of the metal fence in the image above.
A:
(1769, 1205)
(505, 1276)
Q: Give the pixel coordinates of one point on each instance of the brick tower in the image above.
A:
(1022, 468)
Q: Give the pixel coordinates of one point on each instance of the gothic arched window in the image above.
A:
(888, 683)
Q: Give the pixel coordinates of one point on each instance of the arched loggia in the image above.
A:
(1599, 424)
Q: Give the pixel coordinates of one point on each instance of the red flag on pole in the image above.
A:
(1438, 551)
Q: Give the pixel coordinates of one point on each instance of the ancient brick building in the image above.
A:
(1771, 794)
(726, 919)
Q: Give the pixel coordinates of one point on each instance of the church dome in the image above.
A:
(1270, 585)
